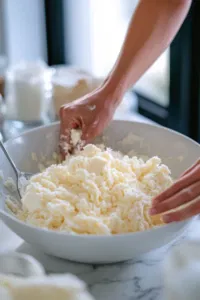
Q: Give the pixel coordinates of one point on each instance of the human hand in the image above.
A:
(91, 114)
(185, 191)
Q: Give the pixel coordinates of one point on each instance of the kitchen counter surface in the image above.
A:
(140, 279)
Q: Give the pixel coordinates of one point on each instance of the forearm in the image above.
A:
(151, 30)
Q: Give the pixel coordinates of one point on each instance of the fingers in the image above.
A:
(64, 141)
(180, 184)
(182, 197)
(187, 212)
(191, 168)
(184, 191)
(68, 122)
(61, 112)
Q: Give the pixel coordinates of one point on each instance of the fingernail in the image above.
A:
(166, 219)
(153, 211)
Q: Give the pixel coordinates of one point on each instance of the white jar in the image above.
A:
(68, 84)
(27, 92)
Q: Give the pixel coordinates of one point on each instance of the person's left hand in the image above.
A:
(185, 190)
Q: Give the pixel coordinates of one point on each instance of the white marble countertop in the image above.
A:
(140, 279)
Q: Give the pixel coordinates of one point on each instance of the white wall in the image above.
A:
(25, 30)
(108, 29)
(77, 33)
(94, 32)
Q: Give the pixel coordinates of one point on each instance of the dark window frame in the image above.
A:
(54, 19)
(152, 110)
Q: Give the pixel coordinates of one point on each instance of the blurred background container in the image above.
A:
(77, 43)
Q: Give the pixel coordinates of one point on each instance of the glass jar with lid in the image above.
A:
(28, 92)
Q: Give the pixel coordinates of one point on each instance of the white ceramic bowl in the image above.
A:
(176, 150)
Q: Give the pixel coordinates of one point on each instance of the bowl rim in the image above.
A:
(184, 223)
(158, 126)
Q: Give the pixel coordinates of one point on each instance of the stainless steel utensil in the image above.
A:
(19, 175)
(20, 265)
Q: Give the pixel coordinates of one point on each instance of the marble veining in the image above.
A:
(139, 279)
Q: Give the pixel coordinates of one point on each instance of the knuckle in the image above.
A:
(187, 193)
(69, 107)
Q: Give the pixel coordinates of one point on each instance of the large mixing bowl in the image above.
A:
(177, 151)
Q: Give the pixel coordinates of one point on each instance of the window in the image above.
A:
(182, 112)
(113, 28)
(155, 82)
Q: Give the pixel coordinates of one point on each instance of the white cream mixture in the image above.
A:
(96, 191)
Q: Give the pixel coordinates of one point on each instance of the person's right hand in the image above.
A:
(91, 113)
(186, 190)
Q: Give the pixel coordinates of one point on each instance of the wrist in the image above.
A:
(113, 92)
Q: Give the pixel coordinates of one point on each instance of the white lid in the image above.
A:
(70, 76)
(26, 70)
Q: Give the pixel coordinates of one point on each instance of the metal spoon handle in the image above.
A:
(9, 159)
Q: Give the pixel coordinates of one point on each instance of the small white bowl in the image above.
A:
(19, 264)
(177, 151)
